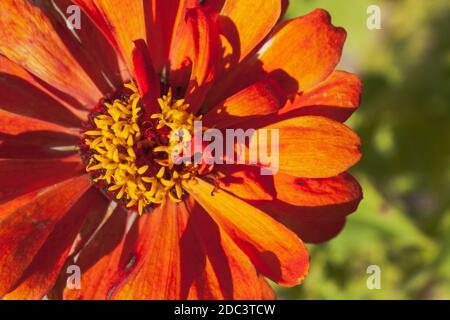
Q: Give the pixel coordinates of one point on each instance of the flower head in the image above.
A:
(106, 157)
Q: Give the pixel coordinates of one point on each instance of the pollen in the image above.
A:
(129, 153)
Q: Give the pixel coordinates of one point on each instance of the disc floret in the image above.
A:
(128, 153)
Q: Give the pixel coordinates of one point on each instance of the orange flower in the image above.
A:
(137, 225)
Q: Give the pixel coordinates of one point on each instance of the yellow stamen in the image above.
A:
(115, 140)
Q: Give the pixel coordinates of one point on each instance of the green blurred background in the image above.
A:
(403, 223)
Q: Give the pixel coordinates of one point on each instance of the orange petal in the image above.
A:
(28, 38)
(245, 34)
(125, 20)
(40, 275)
(314, 147)
(315, 193)
(267, 291)
(90, 9)
(88, 45)
(187, 256)
(198, 261)
(317, 44)
(298, 55)
(23, 232)
(20, 93)
(180, 54)
(23, 176)
(100, 259)
(246, 182)
(203, 30)
(337, 98)
(273, 249)
(183, 42)
(261, 98)
(153, 21)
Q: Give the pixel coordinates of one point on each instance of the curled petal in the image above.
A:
(337, 98)
(145, 75)
(205, 39)
(245, 34)
(260, 99)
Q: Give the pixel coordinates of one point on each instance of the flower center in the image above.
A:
(128, 152)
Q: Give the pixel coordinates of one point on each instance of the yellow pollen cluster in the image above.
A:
(174, 115)
(116, 137)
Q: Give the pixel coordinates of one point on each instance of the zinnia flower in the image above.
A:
(86, 118)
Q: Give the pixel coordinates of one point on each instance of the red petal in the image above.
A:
(312, 229)
(37, 145)
(88, 45)
(90, 8)
(174, 253)
(23, 176)
(153, 21)
(100, 259)
(23, 232)
(315, 209)
(11, 206)
(125, 20)
(316, 193)
(145, 76)
(40, 275)
(267, 292)
(21, 93)
(165, 15)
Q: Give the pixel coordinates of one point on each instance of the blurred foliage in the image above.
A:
(403, 223)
